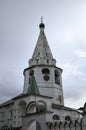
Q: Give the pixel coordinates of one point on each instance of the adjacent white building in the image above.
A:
(42, 98)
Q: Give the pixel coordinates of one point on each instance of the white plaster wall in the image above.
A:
(47, 88)
(62, 113)
(17, 120)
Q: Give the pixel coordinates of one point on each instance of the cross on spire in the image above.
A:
(41, 25)
(42, 19)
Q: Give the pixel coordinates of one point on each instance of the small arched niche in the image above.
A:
(56, 117)
(31, 72)
(67, 118)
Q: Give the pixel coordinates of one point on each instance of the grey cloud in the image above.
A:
(73, 92)
(9, 86)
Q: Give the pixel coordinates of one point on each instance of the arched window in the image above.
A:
(57, 77)
(32, 108)
(45, 71)
(67, 118)
(31, 72)
(36, 107)
(56, 117)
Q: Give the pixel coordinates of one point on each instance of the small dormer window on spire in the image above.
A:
(47, 61)
(37, 61)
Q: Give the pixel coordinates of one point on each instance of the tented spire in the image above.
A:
(42, 53)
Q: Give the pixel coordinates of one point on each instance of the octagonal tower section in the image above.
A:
(42, 76)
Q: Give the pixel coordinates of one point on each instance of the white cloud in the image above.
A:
(72, 70)
(74, 80)
(80, 53)
(72, 102)
(69, 37)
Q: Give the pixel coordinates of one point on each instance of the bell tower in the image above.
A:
(42, 76)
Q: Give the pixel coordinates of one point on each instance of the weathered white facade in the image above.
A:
(42, 103)
(47, 75)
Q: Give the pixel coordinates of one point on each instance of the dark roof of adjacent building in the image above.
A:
(64, 107)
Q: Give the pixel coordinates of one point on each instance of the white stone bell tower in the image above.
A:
(48, 80)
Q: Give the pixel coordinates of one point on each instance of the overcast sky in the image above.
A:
(65, 29)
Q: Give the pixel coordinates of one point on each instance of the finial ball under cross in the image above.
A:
(41, 25)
